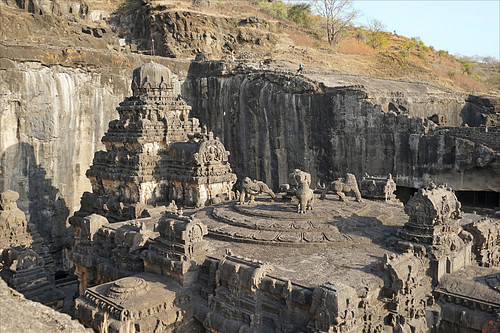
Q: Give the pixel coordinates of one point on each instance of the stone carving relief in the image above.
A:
(251, 188)
(305, 196)
(343, 185)
(381, 188)
(334, 308)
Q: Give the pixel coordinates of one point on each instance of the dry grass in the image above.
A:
(469, 84)
(300, 38)
(355, 46)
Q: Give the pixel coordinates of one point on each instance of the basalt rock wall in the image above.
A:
(52, 120)
(55, 106)
(275, 122)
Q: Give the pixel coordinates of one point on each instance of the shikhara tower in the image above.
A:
(155, 153)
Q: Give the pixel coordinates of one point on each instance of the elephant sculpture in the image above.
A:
(305, 196)
(251, 188)
(341, 186)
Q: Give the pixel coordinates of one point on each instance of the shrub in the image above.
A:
(406, 47)
(300, 14)
(276, 9)
(376, 37)
(377, 40)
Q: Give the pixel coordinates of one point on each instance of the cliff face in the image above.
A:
(51, 123)
(274, 122)
(53, 118)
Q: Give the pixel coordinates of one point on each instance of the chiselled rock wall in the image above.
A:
(51, 122)
(54, 112)
(275, 122)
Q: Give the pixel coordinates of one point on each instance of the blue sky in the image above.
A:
(466, 28)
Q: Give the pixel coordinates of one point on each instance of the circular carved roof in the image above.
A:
(123, 288)
(151, 76)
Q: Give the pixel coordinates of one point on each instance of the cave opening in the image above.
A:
(404, 193)
(481, 199)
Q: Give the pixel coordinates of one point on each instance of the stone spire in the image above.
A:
(136, 169)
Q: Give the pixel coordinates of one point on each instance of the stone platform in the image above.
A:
(330, 223)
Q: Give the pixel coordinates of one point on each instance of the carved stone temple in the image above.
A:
(152, 256)
(155, 153)
(25, 262)
(337, 268)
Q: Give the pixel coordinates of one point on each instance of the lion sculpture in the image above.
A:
(305, 196)
(251, 188)
(341, 186)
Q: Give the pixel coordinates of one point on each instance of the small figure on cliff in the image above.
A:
(232, 55)
(299, 71)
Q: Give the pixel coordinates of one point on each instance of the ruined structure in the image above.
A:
(26, 264)
(155, 153)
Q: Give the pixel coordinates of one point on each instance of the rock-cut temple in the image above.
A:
(155, 153)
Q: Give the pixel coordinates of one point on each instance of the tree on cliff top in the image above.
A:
(339, 15)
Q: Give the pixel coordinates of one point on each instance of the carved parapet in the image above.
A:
(486, 239)
(178, 250)
(234, 307)
(246, 272)
(24, 270)
(334, 308)
(141, 302)
(381, 188)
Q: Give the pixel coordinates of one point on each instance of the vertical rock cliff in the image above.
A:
(51, 122)
(274, 122)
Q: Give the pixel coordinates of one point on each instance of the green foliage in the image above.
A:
(377, 40)
(451, 73)
(300, 14)
(442, 53)
(276, 9)
(424, 48)
(494, 81)
(407, 46)
(376, 37)
(362, 36)
(421, 55)
(467, 66)
(432, 48)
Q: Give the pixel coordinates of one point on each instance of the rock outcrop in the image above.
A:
(273, 122)
(17, 314)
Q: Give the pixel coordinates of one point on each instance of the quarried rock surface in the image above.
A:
(273, 121)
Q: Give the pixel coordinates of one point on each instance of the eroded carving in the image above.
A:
(250, 188)
(343, 185)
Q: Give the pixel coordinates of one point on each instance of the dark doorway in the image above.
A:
(482, 199)
(404, 193)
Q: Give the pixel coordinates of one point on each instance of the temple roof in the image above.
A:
(151, 76)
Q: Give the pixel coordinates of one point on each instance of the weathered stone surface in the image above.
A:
(25, 262)
(17, 314)
(330, 125)
(378, 187)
